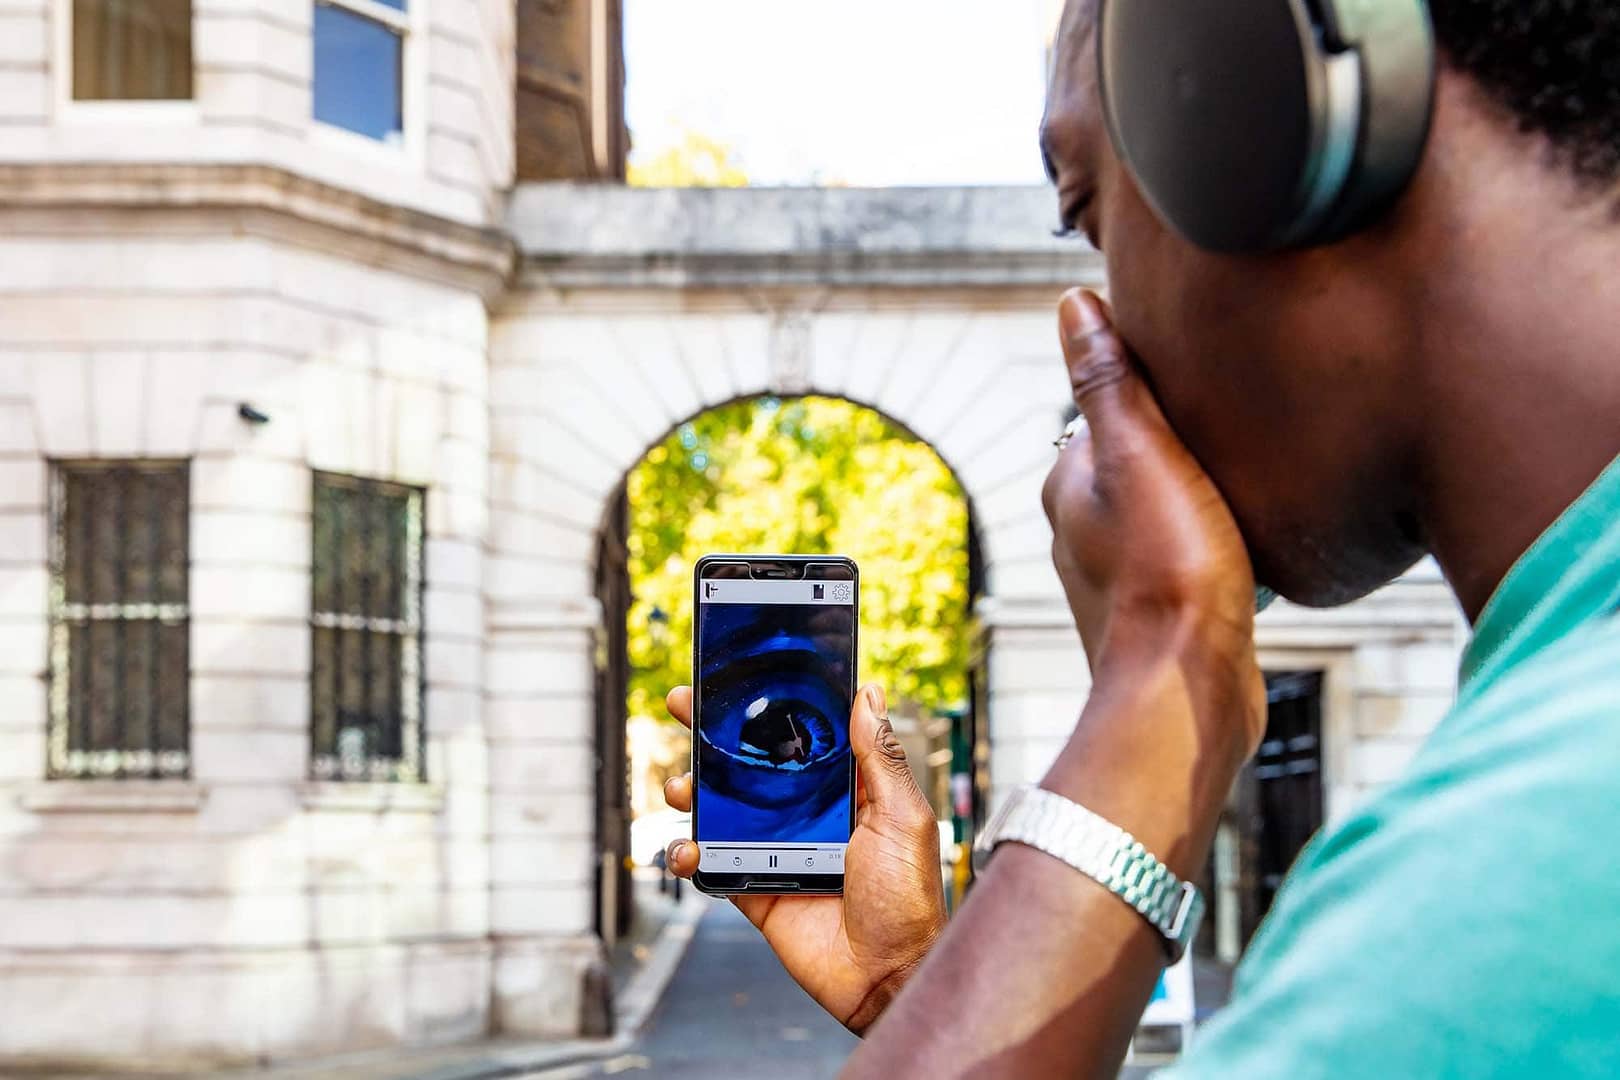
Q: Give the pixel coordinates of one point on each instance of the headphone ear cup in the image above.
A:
(1216, 110)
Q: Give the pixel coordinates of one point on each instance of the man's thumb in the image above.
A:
(890, 786)
(1108, 390)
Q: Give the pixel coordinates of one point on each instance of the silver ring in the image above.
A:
(1075, 427)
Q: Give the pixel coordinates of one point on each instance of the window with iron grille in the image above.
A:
(120, 620)
(366, 713)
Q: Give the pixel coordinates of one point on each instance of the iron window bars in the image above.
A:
(119, 682)
(366, 621)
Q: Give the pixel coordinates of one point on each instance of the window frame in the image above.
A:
(411, 766)
(412, 27)
(99, 112)
(62, 762)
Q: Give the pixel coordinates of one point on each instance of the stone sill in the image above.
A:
(114, 797)
(365, 798)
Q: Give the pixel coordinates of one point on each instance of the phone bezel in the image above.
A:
(772, 884)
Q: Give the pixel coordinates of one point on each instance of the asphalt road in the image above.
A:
(731, 1013)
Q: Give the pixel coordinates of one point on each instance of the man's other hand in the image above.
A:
(852, 953)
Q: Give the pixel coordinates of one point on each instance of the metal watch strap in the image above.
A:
(1103, 852)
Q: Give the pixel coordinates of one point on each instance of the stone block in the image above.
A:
(23, 37)
(1376, 762)
(535, 814)
(24, 645)
(174, 401)
(541, 765)
(539, 984)
(418, 431)
(1023, 539)
(1039, 663)
(240, 755)
(238, 647)
(22, 701)
(525, 668)
(22, 754)
(454, 663)
(23, 536)
(62, 397)
(119, 382)
(253, 484)
(1399, 668)
(874, 355)
(23, 483)
(559, 718)
(1039, 714)
(17, 434)
(454, 563)
(25, 93)
(703, 348)
(250, 592)
(269, 703)
(516, 581)
(454, 613)
(447, 992)
(553, 861)
(1031, 579)
(456, 514)
(539, 909)
(1401, 716)
(221, 431)
(23, 591)
(931, 342)
(248, 538)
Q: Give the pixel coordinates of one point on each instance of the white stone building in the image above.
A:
(312, 424)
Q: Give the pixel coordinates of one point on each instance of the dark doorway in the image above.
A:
(1276, 806)
(1283, 791)
(615, 903)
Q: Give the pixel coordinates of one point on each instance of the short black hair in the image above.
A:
(1553, 64)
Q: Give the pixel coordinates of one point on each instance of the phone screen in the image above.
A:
(775, 678)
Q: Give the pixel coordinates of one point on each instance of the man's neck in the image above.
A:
(1518, 330)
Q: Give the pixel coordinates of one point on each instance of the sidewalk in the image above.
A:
(643, 964)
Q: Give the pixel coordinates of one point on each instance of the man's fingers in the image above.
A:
(682, 857)
(679, 703)
(891, 789)
(678, 793)
(1107, 387)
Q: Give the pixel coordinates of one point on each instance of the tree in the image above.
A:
(807, 475)
(696, 161)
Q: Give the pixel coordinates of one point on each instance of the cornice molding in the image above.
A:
(267, 201)
(577, 236)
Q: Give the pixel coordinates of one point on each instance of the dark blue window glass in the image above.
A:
(357, 74)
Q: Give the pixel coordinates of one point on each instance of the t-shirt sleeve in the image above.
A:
(1462, 926)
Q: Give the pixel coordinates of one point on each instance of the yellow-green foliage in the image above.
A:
(809, 476)
(697, 161)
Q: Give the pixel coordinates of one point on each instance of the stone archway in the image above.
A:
(585, 378)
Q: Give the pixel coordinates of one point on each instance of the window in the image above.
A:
(120, 621)
(131, 50)
(367, 627)
(359, 66)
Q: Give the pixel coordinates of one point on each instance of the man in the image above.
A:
(1445, 382)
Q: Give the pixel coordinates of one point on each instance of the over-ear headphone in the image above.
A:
(1252, 125)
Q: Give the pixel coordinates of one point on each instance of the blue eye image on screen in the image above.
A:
(774, 701)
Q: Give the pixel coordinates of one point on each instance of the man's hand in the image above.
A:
(1155, 571)
(852, 953)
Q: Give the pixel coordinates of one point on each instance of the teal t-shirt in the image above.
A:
(1466, 921)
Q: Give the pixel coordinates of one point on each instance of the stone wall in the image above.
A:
(247, 912)
(253, 64)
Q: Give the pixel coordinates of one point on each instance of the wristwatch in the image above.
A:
(1102, 851)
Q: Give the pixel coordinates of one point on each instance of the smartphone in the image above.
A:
(773, 666)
